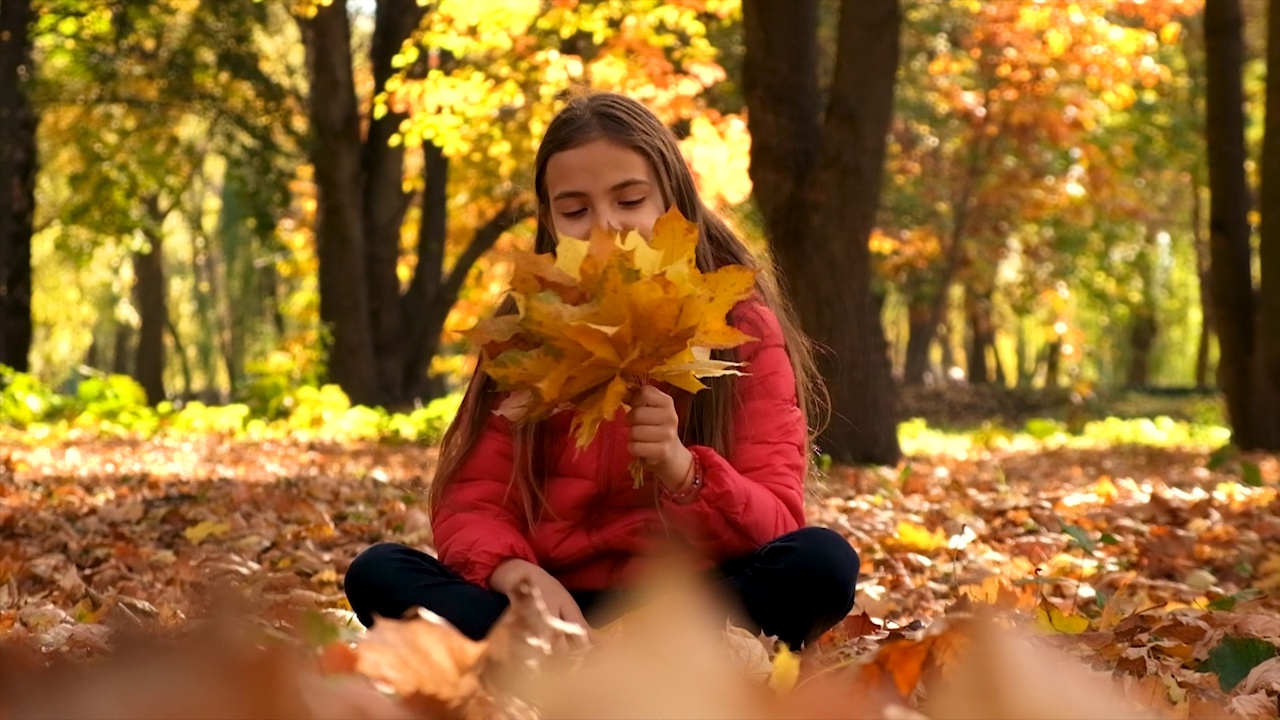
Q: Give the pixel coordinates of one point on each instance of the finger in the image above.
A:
(573, 614)
(650, 396)
(651, 433)
(647, 451)
(570, 613)
(651, 416)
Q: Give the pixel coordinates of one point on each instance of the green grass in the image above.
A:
(114, 406)
(918, 438)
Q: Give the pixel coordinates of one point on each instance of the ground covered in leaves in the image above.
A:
(988, 569)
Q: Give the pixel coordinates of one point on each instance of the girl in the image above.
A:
(726, 466)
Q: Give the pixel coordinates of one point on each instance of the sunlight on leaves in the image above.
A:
(913, 537)
(609, 314)
(786, 670)
(1050, 619)
(205, 529)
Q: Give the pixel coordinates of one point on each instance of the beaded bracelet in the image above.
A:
(691, 486)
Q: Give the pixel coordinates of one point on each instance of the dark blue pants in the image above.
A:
(795, 587)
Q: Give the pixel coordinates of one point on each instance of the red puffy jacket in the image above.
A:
(596, 525)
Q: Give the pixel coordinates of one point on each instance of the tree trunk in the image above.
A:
(1026, 366)
(432, 236)
(184, 364)
(1143, 328)
(919, 337)
(153, 312)
(432, 292)
(1230, 275)
(1052, 362)
(1142, 336)
(270, 281)
(1267, 364)
(385, 201)
(335, 153)
(121, 358)
(18, 122)
(1206, 303)
(981, 336)
(235, 280)
(817, 181)
(943, 334)
(220, 303)
(1002, 377)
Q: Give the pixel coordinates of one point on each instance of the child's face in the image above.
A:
(602, 185)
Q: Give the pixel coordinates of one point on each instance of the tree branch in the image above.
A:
(508, 217)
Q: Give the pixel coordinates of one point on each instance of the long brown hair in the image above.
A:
(619, 119)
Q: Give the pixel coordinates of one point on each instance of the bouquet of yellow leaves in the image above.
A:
(606, 315)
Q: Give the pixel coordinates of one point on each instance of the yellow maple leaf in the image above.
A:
(1052, 620)
(676, 240)
(608, 314)
(204, 529)
(786, 670)
(913, 537)
(570, 252)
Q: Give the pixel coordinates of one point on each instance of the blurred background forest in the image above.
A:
(253, 203)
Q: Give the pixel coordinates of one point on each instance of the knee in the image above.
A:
(828, 563)
(367, 569)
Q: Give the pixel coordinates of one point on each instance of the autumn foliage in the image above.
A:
(603, 316)
(176, 575)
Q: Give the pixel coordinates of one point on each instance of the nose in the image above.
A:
(609, 223)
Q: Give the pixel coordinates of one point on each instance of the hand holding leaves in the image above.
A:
(655, 435)
(606, 316)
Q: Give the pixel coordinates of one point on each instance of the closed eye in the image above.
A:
(575, 213)
(632, 203)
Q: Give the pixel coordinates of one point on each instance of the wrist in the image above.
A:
(674, 473)
(689, 487)
(508, 574)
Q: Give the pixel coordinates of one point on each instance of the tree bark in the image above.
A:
(416, 306)
(336, 155)
(385, 200)
(1230, 277)
(1026, 368)
(817, 181)
(920, 332)
(154, 315)
(1206, 302)
(425, 340)
(18, 160)
(1143, 327)
(432, 292)
(180, 350)
(981, 336)
(122, 343)
(1052, 362)
(1142, 336)
(1002, 377)
(1267, 365)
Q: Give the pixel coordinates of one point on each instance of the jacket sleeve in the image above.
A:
(477, 525)
(757, 493)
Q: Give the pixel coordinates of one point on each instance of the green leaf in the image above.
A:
(1228, 602)
(1234, 658)
(1081, 536)
(1108, 539)
(1250, 474)
(318, 629)
(1042, 428)
(1221, 457)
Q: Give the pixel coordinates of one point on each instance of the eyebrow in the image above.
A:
(619, 186)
